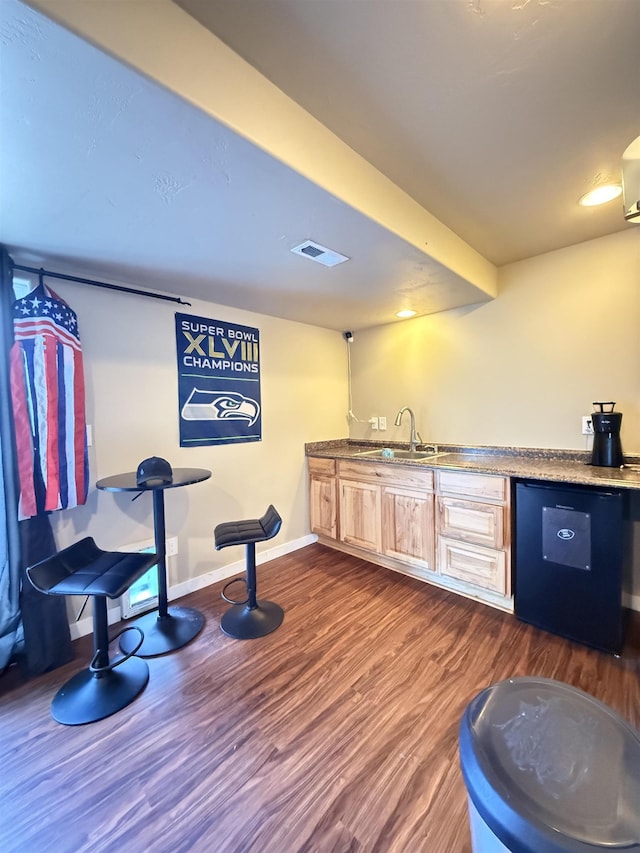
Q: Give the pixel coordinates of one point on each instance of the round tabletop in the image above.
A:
(127, 482)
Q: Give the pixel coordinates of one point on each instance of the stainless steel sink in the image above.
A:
(399, 454)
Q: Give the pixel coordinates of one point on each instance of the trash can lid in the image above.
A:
(549, 768)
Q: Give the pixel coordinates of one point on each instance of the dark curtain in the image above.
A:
(11, 636)
(47, 640)
(34, 630)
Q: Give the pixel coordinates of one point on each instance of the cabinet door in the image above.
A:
(323, 506)
(360, 514)
(470, 521)
(407, 526)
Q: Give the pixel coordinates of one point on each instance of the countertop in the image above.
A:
(530, 463)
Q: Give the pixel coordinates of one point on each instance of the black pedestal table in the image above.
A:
(168, 628)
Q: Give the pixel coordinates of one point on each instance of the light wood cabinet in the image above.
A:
(360, 522)
(384, 473)
(384, 510)
(482, 486)
(407, 525)
(451, 528)
(388, 510)
(483, 567)
(323, 497)
(472, 520)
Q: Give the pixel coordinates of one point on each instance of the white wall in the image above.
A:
(129, 353)
(523, 369)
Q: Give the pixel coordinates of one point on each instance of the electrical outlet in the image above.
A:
(382, 423)
(587, 425)
(373, 422)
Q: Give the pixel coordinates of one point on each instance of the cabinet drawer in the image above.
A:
(478, 523)
(473, 485)
(384, 473)
(326, 467)
(483, 567)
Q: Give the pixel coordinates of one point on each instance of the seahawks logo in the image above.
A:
(218, 406)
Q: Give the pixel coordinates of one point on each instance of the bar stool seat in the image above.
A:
(105, 686)
(250, 618)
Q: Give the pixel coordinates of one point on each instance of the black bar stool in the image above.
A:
(250, 618)
(105, 686)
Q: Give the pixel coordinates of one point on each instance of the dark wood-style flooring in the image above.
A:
(338, 732)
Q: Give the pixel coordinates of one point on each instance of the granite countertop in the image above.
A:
(562, 466)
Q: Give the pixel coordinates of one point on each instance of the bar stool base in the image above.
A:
(163, 634)
(244, 623)
(86, 698)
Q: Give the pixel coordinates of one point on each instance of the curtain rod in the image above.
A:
(49, 274)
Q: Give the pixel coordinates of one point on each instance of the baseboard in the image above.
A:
(237, 567)
(631, 601)
(85, 626)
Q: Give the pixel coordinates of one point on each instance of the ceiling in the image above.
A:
(430, 141)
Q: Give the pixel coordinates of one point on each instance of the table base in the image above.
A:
(164, 634)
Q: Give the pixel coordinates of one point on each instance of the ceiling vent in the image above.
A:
(316, 252)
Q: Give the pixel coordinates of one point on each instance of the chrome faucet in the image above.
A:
(415, 437)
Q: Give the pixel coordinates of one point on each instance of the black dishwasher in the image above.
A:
(569, 561)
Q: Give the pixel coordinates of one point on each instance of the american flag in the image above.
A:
(47, 389)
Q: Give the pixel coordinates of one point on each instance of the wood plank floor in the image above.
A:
(338, 732)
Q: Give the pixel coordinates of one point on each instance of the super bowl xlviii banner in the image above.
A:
(218, 382)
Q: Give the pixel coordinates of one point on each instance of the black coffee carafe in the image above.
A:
(607, 450)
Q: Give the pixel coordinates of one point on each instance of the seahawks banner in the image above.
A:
(218, 382)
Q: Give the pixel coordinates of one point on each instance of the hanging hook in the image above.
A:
(41, 276)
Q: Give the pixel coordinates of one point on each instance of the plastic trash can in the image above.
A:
(549, 769)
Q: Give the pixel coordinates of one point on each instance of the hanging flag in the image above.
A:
(47, 389)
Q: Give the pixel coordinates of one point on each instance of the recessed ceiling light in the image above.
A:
(403, 315)
(601, 195)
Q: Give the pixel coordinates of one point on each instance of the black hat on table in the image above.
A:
(154, 471)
